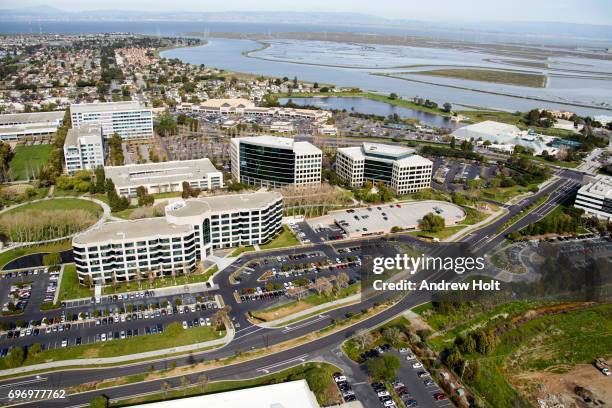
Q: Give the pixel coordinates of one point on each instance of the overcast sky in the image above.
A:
(576, 11)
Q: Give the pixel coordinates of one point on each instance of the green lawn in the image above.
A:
(502, 194)
(59, 204)
(490, 75)
(70, 287)
(27, 160)
(285, 239)
(173, 336)
(445, 233)
(241, 250)
(8, 256)
(325, 390)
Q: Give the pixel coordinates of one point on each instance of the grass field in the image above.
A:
(502, 194)
(285, 239)
(325, 391)
(294, 306)
(173, 336)
(59, 204)
(8, 256)
(445, 233)
(27, 160)
(490, 75)
(71, 289)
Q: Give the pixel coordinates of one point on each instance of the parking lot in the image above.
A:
(380, 219)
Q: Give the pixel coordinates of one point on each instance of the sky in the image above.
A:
(574, 11)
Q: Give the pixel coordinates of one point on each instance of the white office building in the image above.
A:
(596, 197)
(272, 161)
(131, 120)
(18, 126)
(165, 177)
(83, 148)
(397, 167)
(189, 231)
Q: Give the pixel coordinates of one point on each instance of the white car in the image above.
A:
(103, 337)
(340, 378)
(417, 365)
(185, 324)
(383, 394)
(390, 404)
(64, 343)
(404, 350)
(410, 357)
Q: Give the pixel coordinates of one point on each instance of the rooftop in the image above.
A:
(600, 186)
(106, 107)
(292, 394)
(282, 143)
(488, 127)
(235, 202)
(135, 175)
(130, 230)
(75, 133)
(229, 103)
(402, 155)
(35, 117)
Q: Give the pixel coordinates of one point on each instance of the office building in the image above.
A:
(18, 126)
(127, 250)
(83, 148)
(272, 161)
(595, 198)
(398, 167)
(164, 177)
(131, 120)
(291, 394)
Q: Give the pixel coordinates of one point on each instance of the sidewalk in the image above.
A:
(154, 354)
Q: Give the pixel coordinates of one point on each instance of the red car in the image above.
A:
(439, 396)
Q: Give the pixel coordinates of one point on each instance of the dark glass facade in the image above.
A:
(263, 165)
(377, 170)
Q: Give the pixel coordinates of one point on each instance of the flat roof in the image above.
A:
(389, 153)
(229, 102)
(222, 203)
(134, 175)
(75, 133)
(601, 186)
(371, 220)
(282, 143)
(33, 117)
(291, 394)
(487, 127)
(145, 228)
(106, 107)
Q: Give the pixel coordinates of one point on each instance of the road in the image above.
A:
(251, 337)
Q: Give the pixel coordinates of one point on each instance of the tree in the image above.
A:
(363, 339)
(144, 198)
(431, 223)
(15, 357)
(393, 96)
(452, 142)
(203, 380)
(99, 401)
(383, 368)
(447, 107)
(165, 388)
(392, 334)
(52, 259)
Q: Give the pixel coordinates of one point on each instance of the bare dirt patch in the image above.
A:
(557, 385)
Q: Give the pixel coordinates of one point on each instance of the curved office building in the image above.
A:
(127, 250)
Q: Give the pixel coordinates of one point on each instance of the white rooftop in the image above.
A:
(135, 175)
(235, 202)
(389, 153)
(228, 103)
(75, 133)
(282, 143)
(501, 133)
(600, 187)
(292, 394)
(106, 107)
(34, 117)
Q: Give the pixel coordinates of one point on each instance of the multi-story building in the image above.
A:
(275, 161)
(129, 250)
(131, 120)
(164, 177)
(18, 126)
(83, 148)
(397, 167)
(595, 197)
